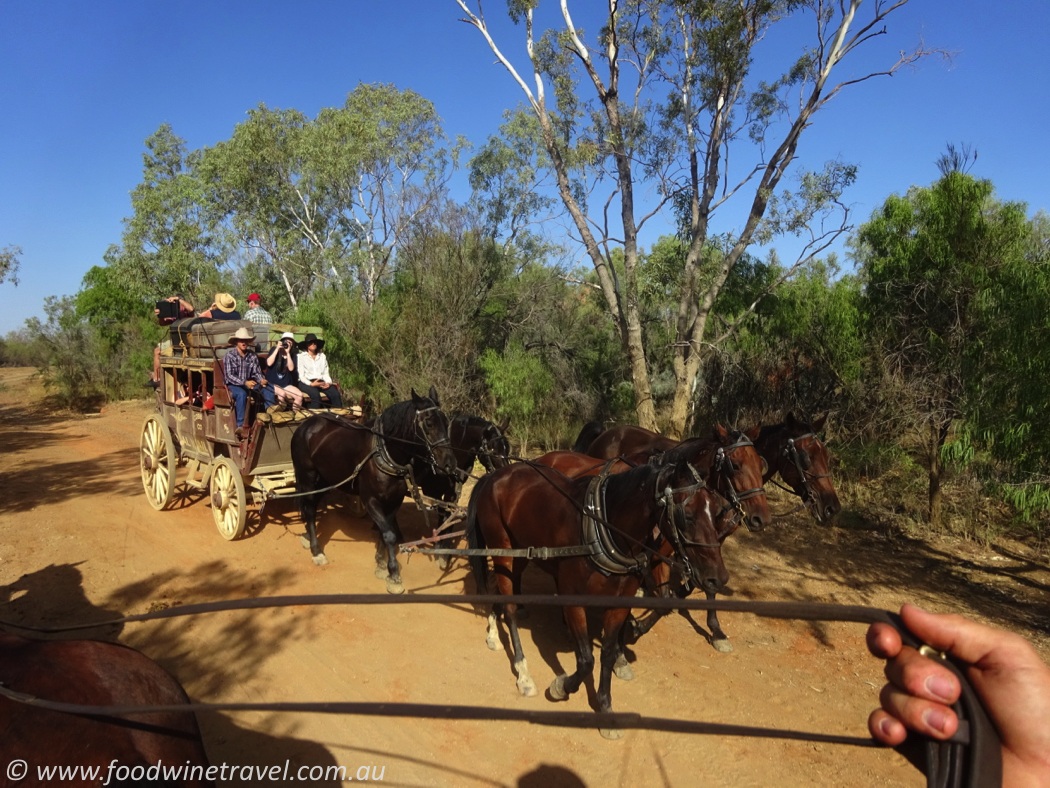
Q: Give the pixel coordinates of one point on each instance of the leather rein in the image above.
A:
(972, 758)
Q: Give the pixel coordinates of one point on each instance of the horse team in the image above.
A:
(627, 509)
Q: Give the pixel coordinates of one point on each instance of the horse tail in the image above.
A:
(590, 431)
(479, 564)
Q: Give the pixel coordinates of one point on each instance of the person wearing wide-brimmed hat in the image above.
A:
(283, 373)
(240, 368)
(223, 308)
(313, 373)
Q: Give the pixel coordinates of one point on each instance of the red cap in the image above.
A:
(253, 297)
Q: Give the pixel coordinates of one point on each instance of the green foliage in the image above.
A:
(9, 264)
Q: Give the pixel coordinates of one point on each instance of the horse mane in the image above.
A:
(473, 421)
(621, 485)
(399, 420)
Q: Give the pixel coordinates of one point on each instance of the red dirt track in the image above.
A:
(80, 543)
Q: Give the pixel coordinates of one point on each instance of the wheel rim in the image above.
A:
(227, 501)
(157, 463)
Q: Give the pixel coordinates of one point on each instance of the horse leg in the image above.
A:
(390, 538)
(505, 582)
(563, 686)
(719, 639)
(661, 575)
(309, 512)
(612, 652)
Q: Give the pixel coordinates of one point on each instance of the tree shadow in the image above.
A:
(53, 483)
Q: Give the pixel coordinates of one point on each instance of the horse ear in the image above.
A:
(791, 421)
(752, 434)
(505, 425)
(416, 398)
(818, 425)
(721, 433)
(434, 395)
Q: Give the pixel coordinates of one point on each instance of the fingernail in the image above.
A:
(935, 718)
(940, 687)
(886, 725)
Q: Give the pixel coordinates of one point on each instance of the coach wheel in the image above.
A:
(157, 462)
(228, 504)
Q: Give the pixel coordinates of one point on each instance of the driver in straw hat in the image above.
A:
(240, 368)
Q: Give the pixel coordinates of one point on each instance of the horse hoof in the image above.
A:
(394, 586)
(304, 542)
(611, 733)
(722, 645)
(442, 562)
(492, 644)
(623, 671)
(382, 572)
(522, 614)
(527, 688)
(320, 560)
(557, 689)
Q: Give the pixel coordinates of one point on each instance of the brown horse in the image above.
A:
(100, 749)
(727, 459)
(372, 460)
(793, 450)
(533, 506)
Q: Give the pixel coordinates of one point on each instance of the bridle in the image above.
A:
(676, 520)
(724, 466)
(791, 452)
(431, 445)
(486, 451)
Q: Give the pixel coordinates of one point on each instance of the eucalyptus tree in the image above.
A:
(170, 242)
(382, 161)
(954, 301)
(261, 184)
(655, 105)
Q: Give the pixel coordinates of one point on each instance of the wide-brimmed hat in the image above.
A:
(225, 302)
(242, 333)
(312, 339)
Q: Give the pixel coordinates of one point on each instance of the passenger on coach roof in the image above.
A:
(224, 308)
(255, 311)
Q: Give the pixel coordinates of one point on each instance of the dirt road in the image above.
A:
(79, 542)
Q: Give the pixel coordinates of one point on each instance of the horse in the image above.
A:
(793, 450)
(577, 465)
(727, 459)
(372, 460)
(123, 749)
(472, 438)
(529, 505)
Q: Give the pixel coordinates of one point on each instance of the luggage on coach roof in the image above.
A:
(201, 338)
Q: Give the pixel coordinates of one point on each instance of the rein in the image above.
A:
(971, 758)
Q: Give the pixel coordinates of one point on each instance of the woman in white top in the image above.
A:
(313, 373)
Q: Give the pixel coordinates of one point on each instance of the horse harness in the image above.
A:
(794, 456)
(724, 466)
(386, 464)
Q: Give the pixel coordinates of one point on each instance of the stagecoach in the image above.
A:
(201, 433)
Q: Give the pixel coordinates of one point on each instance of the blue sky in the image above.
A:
(82, 85)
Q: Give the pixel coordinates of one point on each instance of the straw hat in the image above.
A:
(225, 302)
(242, 333)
